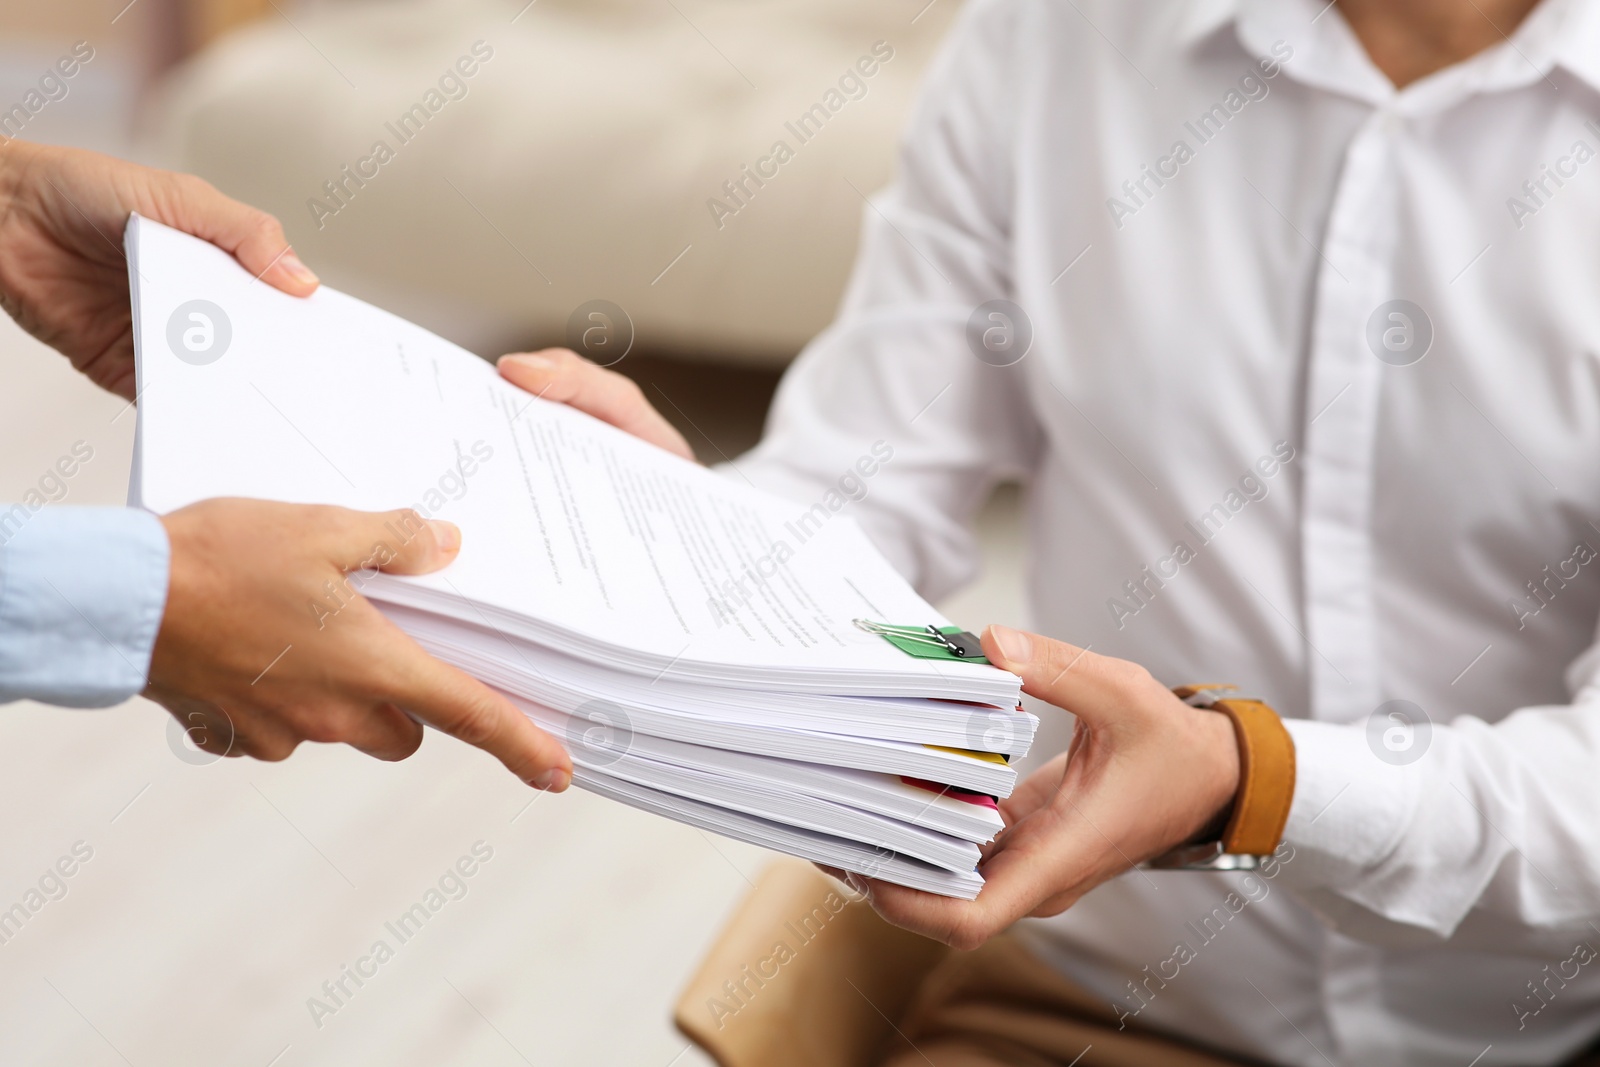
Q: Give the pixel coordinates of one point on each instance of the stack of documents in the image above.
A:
(693, 641)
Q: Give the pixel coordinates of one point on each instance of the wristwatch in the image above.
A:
(1251, 829)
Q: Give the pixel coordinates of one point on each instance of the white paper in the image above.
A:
(573, 531)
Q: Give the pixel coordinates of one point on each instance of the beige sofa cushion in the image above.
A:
(584, 158)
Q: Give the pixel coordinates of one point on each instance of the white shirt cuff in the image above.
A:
(1350, 807)
(82, 591)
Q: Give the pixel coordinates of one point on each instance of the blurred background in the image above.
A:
(597, 150)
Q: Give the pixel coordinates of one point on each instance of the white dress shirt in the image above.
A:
(1246, 463)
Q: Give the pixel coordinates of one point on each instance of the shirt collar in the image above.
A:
(1579, 47)
(1203, 18)
(1326, 53)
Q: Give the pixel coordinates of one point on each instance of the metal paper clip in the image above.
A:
(926, 635)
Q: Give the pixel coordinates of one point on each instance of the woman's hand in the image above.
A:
(567, 378)
(267, 640)
(63, 274)
(1145, 772)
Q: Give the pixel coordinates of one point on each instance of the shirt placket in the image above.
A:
(1355, 277)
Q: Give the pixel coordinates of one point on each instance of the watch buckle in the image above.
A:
(1206, 856)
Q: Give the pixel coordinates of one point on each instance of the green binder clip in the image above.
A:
(928, 642)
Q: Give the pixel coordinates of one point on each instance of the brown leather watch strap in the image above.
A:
(1266, 770)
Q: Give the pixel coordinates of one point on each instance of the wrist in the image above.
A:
(1256, 787)
(16, 159)
(173, 641)
(1221, 760)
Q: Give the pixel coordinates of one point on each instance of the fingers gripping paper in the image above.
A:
(688, 637)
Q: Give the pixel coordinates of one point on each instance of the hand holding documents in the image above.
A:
(692, 640)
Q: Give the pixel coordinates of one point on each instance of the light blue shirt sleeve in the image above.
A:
(82, 591)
